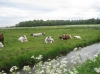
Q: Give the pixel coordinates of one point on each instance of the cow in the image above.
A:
(49, 39)
(1, 45)
(23, 38)
(37, 34)
(2, 38)
(78, 37)
(65, 37)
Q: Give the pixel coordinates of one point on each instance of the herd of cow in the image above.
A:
(48, 39)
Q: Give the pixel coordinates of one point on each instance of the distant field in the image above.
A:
(17, 53)
(60, 26)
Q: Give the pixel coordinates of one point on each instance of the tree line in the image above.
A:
(35, 23)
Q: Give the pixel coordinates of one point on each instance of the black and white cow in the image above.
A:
(37, 34)
(49, 39)
(23, 38)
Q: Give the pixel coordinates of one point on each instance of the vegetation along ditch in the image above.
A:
(75, 58)
(19, 53)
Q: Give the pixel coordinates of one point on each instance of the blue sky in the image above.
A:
(15, 11)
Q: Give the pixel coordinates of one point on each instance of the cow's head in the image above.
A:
(60, 37)
(43, 34)
(31, 34)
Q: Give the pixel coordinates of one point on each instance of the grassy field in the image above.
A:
(17, 53)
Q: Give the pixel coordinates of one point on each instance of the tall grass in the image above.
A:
(17, 53)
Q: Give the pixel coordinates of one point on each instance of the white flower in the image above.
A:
(39, 57)
(80, 48)
(97, 70)
(94, 60)
(71, 72)
(65, 70)
(13, 68)
(33, 57)
(63, 62)
(18, 72)
(75, 49)
(26, 68)
(95, 56)
(4, 73)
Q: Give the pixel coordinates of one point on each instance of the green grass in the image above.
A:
(89, 66)
(17, 53)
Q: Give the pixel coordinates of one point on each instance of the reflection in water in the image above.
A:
(86, 52)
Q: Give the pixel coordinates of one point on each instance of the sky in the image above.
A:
(14, 11)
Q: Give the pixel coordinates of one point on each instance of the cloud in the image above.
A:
(15, 11)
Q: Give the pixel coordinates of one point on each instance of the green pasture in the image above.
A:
(18, 53)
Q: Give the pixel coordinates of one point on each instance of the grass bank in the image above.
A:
(91, 66)
(17, 53)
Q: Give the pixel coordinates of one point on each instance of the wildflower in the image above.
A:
(64, 62)
(3, 72)
(49, 59)
(75, 49)
(65, 70)
(26, 68)
(96, 55)
(13, 68)
(30, 72)
(94, 60)
(38, 58)
(80, 61)
(64, 59)
(33, 57)
(71, 72)
(57, 64)
(75, 71)
(97, 70)
(80, 48)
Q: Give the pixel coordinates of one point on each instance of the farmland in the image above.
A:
(18, 53)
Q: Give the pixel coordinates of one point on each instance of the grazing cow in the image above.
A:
(2, 38)
(23, 39)
(1, 45)
(49, 39)
(78, 37)
(37, 34)
(65, 37)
